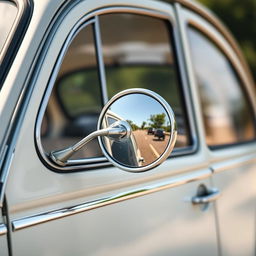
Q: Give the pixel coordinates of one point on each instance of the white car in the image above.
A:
(65, 64)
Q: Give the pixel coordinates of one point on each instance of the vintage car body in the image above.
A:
(90, 207)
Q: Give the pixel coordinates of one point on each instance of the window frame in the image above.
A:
(14, 38)
(237, 65)
(99, 162)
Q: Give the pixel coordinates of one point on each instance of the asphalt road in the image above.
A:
(150, 147)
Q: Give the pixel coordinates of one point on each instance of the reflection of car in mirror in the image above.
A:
(158, 89)
(151, 130)
(160, 134)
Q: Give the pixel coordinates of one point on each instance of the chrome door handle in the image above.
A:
(212, 195)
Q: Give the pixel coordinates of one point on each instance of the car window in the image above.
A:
(75, 103)
(227, 114)
(142, 57)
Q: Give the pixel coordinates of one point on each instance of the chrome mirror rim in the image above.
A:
(173, 132)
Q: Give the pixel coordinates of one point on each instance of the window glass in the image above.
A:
(8, 12)
(141, 57)
(137, 52)
(75, 103)
(227, 114)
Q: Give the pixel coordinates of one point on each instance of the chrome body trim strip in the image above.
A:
(129, 194)
(3, 229)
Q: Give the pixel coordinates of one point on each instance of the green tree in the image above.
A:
(133, 125)
(157, 121)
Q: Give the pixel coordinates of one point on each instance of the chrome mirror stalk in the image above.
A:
(117, 131)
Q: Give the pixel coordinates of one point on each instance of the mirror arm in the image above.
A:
(115, 131)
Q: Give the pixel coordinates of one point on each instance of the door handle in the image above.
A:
(213, 194)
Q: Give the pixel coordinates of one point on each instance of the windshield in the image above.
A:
(8, 12)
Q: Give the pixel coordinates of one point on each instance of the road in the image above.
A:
(150, 147)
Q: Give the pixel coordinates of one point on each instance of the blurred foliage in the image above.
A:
(80, 92)
(240, 18)
(133, 125)
(158, 78)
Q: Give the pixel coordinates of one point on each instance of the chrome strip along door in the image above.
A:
(103, 210)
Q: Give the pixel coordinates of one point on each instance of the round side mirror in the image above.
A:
(149, 130)
(136, 132)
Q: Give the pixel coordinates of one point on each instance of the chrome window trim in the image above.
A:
(40, 218)
(79, 26)
(20, 10)
(208, 29)
(98, 48)
(206, 14)
(237, 62)
(14, 38)
(89, 163)
(212, 30)
(234, 65)
(23, 6)
(188, 102)
(3, 229)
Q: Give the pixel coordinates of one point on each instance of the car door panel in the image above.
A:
(232, 153)
(236, 208)
(160, 223)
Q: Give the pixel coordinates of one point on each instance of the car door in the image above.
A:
(90, 207)
(227, 99)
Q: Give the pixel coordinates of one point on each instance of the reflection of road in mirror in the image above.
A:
(150, 147)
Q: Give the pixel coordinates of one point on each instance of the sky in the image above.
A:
(137, 108)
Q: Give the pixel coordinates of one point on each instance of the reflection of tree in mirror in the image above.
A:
(157, 121)
(133, 125)
(143, 125)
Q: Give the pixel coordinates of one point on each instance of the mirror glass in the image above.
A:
(150, 130)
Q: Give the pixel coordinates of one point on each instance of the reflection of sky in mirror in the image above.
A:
(137, 108)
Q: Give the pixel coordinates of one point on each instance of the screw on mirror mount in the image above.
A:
(117, 131)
